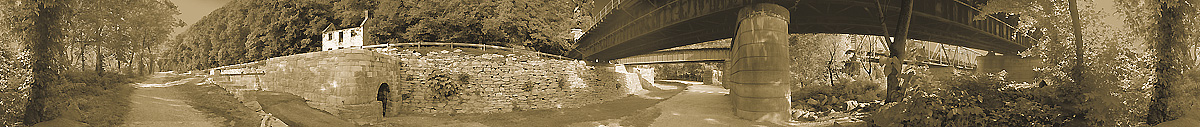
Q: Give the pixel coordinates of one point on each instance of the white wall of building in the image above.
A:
(340, 39)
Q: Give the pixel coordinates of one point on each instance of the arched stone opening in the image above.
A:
(382, 96)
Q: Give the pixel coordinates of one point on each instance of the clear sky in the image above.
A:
(193, 10)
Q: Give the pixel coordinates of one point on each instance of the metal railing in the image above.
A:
(992, 26)
(463, 45)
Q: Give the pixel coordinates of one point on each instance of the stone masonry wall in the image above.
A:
(458, 82)
(345, 82)
(341, 82)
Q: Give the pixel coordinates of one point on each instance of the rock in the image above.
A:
(812, 101)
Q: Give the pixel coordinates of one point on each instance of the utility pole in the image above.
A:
(895, 62)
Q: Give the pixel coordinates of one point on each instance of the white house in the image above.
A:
(344, 38)
(341, 39)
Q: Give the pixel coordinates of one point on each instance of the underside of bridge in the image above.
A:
(641, 26)
(758, 62)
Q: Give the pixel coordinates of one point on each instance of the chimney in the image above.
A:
(366, 15)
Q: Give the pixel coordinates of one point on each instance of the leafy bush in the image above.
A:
(103, 100)
(972, 100)
(684, 71)
(446, 86)
(15, 79)
(825, 97)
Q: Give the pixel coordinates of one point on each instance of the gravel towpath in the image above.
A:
(156, 106)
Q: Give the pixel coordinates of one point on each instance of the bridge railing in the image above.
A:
(991, 24)
(464, 45)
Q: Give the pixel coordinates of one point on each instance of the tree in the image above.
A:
(1108, 78)
(1173, 43)
(15, 66)
(41, 48)
(123, 27)
(251, 30)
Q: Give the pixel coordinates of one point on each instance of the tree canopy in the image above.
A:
(250, 30)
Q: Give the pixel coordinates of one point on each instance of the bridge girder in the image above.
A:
(643, 26)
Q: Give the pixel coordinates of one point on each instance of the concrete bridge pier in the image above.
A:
(759, 71)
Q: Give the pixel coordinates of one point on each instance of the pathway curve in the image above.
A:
(708, 106)
(156, 106)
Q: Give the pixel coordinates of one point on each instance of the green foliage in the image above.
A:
(251, 30)
(103, 100)
(15, 73)
(447, 86)
(1117, 65)
(541, 25)
(826, 97)
(15, 77)
(972, 100)
(810, 55)
(49, 30)
(125, 30)
(683, 71)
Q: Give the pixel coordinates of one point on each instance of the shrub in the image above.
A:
(825, 97)
(684, 71)
(15, 79)
(446, 86)
(103, 100)
(971, 100)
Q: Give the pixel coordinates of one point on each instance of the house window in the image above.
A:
(339, 36)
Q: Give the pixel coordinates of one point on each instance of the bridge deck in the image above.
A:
(642, 26)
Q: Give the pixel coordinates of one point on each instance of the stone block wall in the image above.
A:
(346, 82)
(458, 82)
(341, 82)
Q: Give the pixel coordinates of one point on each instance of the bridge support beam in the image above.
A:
(759, 73)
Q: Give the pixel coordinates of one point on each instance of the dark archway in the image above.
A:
(382, 96)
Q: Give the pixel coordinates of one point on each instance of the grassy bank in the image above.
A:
(214, 101)
(98, 100)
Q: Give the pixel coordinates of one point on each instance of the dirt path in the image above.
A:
(156, 106)
(628, 111)
(708, 106)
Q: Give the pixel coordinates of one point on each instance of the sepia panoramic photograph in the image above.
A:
(600, 63)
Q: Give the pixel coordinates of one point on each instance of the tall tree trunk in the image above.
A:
(99, 61)
(82, 58)
(142, 63)
(1071, 106)
(1169, 45)
(44, 67)
(894, 91)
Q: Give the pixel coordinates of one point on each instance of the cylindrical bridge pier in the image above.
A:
(759, 71)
